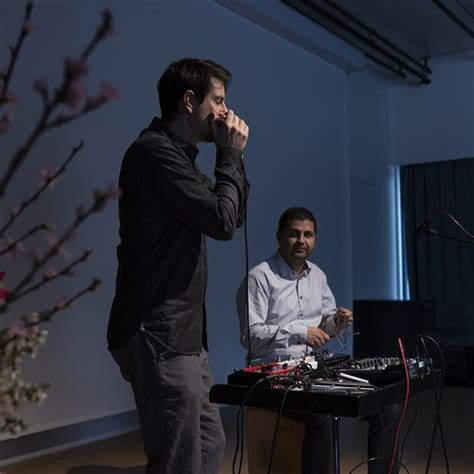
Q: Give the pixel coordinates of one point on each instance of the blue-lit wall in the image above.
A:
(320, 138)
(295, 105)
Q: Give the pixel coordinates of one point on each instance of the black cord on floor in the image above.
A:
(240, 424)
(400, 464)
(277, 425)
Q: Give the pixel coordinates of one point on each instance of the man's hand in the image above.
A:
(232, 132)
(343, 319)
(316, 337)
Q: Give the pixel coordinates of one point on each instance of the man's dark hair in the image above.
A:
(295, 213)
(188, 74)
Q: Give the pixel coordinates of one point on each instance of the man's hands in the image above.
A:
(316, 337)
(343, 319)
(232, 132)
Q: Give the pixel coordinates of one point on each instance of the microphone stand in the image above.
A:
(435, 233)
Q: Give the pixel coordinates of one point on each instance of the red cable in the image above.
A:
(405, 404)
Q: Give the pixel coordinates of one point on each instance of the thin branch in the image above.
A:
(37, 194)
(25, 236)
(65, 119)
(49, 106)
(104, 30)
(100, 199)
(23, 151)
(65, 271)
(45, 316)
(15, 51)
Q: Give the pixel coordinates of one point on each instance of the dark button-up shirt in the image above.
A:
(167, 207)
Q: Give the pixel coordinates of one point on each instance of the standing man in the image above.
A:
(292, 311)
(157, 326)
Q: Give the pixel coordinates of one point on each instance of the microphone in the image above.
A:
(423, 228)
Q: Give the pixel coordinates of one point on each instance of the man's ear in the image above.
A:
(188, 101)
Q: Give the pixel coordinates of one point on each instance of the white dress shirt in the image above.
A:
(282, 305)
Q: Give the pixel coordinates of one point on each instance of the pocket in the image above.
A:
(159, 351)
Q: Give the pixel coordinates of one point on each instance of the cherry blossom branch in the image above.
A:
(103, 31)
(14, 214)
(71, 92)
(46, 315)
(15, 51)
(100, 199)
(49, 277)
(12, 245)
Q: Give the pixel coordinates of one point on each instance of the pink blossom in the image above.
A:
(17, 247)
(6, 120)
(7, 407)
(50, 273)
(2, 276)
(11, 98)
(28, 26)
(13, 211)
(52, 240)
(4, 295)
(41, 85)
(108, 91)
(4, 126)
(75, 95)
(8, 115)
(62, 303)
(80, 211)
(48, 176)
(75, 68)
(70, 234)
(93, 102)
(111, 191)
(96, 284)
(109, 31)
(37, 256)
(21, 330)
(106, 29)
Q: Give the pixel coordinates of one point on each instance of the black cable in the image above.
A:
(277, 424)
(438, 398)
(457, 223)
(246, 245)
(240, 432)
(387, 442)
(442, 211)
(415, 414)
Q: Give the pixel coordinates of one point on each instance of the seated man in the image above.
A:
(292, 311)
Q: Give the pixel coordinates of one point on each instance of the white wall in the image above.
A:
(435, 122)
(373, 233)
(297, 155)
(392, 123)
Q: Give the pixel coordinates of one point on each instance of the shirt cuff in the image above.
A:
(228, 154)
(299, 332)
(330, 326)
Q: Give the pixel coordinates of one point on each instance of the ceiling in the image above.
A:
(396, 37)
(419, 26)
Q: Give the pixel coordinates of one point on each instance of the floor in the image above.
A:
(124, 454)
